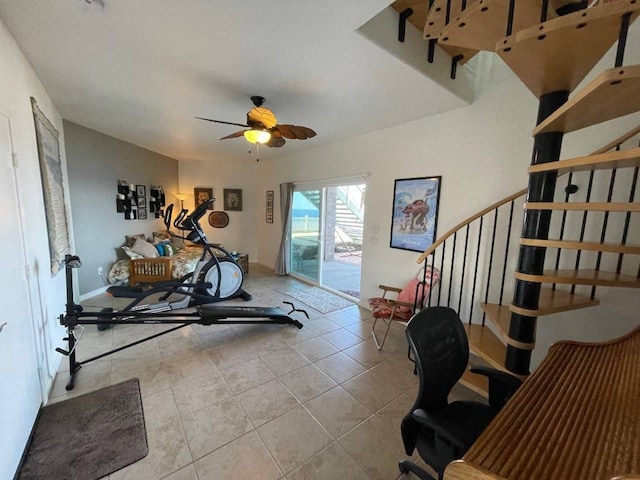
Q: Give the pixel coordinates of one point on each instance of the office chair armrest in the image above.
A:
(502, 385)
(450, 432)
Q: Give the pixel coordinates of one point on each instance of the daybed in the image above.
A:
(152, 265)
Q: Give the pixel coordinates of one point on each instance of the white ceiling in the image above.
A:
(140, 70)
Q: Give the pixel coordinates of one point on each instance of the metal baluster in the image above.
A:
(506, 253)
(622, 39)
(627, 219)
(584, 225)
(563, 222)
(444, 246)
(402, 23)
(512, 6)
(447, 15)
(545, 11)
(605, 221)
(453, 260)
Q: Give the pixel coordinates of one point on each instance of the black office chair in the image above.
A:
(443, 431)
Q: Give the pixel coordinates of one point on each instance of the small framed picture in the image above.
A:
(142, 214)
(233, 199)
(269, 206)
(142, 202)
(141, 190)
(203, 195)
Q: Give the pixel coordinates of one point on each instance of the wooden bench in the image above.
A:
(149, 270)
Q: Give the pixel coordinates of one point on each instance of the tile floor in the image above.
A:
(260, 402)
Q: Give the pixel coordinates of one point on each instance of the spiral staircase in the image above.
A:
(570, 242)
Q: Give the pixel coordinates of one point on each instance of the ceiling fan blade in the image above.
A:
(234, 135)
(220, 121)
(276, 142)
(295, 132)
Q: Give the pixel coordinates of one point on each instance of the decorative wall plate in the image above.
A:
(218, 219)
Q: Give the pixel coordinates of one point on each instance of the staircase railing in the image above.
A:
(478, 256)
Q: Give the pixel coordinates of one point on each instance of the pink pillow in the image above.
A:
(408, 293)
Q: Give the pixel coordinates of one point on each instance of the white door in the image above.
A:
(20, 395)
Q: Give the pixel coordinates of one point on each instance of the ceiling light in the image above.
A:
(256, 135)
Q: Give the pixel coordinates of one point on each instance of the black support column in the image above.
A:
(535, 225)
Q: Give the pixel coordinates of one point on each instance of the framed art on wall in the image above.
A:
(201, 195)
(415, 213)
(233, 199)
(141, 190)
(269, 206)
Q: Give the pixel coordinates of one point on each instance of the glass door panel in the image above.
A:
(306, 233)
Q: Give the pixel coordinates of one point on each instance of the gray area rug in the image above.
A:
(89, 436)
(319, 299)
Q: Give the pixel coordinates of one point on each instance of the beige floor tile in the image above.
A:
(90, 377)
(340, 367)
(212, 336)
(330, 464)
(284, 362)
(183, 340)
(168, 450)
(362, 328)
(181, 368)
(342, 317)
(342, 338)
(337, 411)
(307, 382)
(371, 391)
(152, 378)
(186, 473)
(368, 354)
(200, 392)
(359, 312)
(315, 349)
(376, 448)
(321, 326)
(246, 457)
(235, 353)
(266, 402)
(293, 335)
(398, 371)
(293, 438)
(247, 375)
(215, 426)
(393, 413)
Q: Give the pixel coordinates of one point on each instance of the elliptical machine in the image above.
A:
(216, 277)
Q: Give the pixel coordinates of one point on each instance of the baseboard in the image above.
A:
(94, 293)
(26, 447)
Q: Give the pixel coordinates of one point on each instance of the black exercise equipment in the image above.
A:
(164, 312)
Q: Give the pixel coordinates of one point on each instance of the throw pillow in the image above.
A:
(160, 236)
(130, 253)
(145, 249)
(409, 293)
(129, 240)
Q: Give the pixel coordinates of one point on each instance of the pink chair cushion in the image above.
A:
(381, 308)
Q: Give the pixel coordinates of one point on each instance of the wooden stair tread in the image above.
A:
(627, 158)
(582, 277)
(500, 316)
(556, 301)
(577, 245)
(584, 206)
(477, 383)
(484, 344)
(614, 93)
(435, 22)
(559, 53)
(483, 23)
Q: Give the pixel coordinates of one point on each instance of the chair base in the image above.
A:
(407, 466)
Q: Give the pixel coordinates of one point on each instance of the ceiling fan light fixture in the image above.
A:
(256, 135)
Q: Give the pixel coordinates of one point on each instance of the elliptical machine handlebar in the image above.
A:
(189, 223)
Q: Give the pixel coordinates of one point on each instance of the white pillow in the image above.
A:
(130, 253)
(145, 249)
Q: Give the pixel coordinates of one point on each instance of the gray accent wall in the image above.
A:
(95, 163)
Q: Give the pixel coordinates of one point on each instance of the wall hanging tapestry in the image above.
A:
(52, 188)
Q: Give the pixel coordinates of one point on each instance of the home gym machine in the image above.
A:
(216, 277)
(160, 313)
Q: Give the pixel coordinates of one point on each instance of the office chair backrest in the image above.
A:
(441, 350)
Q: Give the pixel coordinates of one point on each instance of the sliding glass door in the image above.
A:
(326, 234)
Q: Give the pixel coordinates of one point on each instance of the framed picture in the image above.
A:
(269, 206)
(415, 213)
(141, 190)
(142, 214)
(142, 202)
(233, 199)
(202, 195)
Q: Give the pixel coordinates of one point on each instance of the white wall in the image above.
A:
(28, 364)
(241, 234)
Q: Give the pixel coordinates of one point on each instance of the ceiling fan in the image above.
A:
(263, 127)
